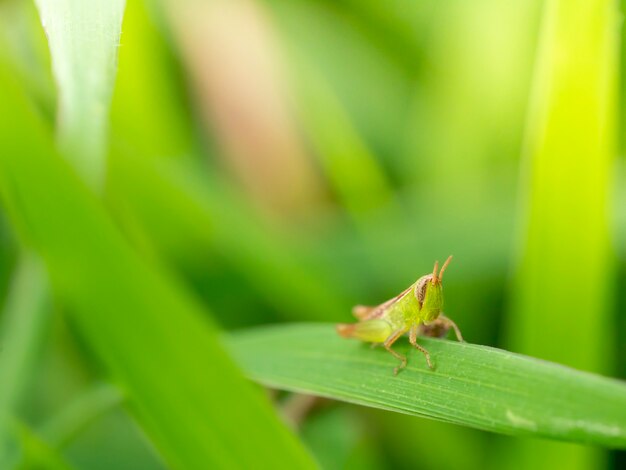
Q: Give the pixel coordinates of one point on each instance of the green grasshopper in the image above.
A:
(417, 310)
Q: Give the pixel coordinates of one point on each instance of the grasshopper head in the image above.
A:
(429, 293)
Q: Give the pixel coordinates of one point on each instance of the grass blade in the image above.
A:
(36, 452)
(352, 170)
(146, 101)
(22, 324)
(77, 415)
(207, 213)
(570, 156)
(152, 337)
(472, 385)
(83, 39)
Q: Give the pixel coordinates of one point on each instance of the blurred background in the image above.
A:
(287, 159)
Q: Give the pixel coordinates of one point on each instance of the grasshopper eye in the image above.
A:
(420, 289)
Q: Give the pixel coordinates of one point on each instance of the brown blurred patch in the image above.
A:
(235, 67)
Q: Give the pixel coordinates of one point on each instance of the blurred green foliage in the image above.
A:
(270, 161)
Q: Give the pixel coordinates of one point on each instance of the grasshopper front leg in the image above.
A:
(388, 342)
(413, 341)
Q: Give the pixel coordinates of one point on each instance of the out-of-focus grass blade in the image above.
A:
(146, 101)
(179, 208)
(25, 43)
(339, 439)
(563, 283)
(352, 169)
(318, 278)
(152, 337)
(354, 64)
(37, 453)
(22, 323)
(466, 122)
(570, 158)
(83, 39)
(62, 428)
(428, 442)
(472, 385)
(50, 439)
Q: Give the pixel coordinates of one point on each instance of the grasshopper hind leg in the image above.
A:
(369, 331)
(376, 332)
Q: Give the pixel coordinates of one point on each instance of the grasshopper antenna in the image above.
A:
(445, 265)
(435, 270)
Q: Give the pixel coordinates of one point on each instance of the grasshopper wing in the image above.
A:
(364, 312)
(361, 312)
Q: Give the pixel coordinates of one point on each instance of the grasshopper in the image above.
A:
(416, 310)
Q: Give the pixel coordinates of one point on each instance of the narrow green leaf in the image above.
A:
(81, 412)
(563, 278)
(340, 440)
(83, 39)
(179, 208)
(472, 385)
(26, 45)
(570, 155)
(22, 323)
(154, 339)
(36, 452)
(353, 171)
(147, 101)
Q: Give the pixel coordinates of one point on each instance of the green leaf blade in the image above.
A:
(83, 38)
(471, 385)
(153, 338)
